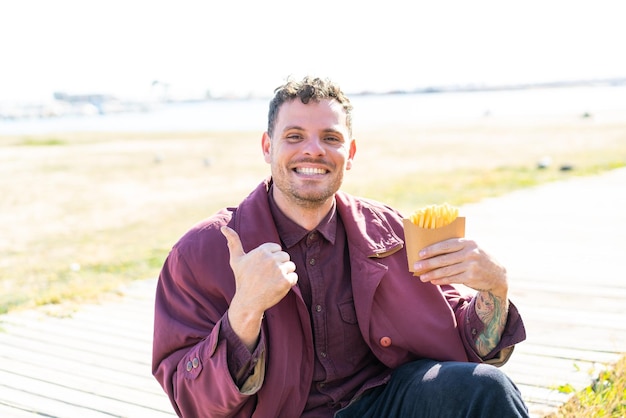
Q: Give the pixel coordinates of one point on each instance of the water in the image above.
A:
(197, 116)
(370, 111)
(468, 106)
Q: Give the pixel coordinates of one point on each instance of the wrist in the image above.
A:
(500, 286)
(246, 324)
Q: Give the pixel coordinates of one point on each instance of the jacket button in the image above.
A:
(195, 362)
(189, 366)
(385, 341)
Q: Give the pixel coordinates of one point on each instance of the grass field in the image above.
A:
(82, 214)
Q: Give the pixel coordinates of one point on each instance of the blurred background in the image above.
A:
(71, 58)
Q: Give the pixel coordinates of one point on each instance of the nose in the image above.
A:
(314, 146)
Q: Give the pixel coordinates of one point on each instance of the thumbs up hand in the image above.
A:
(263, 277)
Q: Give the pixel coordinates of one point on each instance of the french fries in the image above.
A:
(427, 226)
(434, 216)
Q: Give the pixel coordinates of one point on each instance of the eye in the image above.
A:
(333, 139)
(294, 137)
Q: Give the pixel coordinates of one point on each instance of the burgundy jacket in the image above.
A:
(401, 318)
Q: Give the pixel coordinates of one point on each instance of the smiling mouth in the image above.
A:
(310, 170)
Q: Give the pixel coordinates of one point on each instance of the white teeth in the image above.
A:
(309, 170)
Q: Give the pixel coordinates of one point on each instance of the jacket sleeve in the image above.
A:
(190, 358)
(242, 364)
(470, 327)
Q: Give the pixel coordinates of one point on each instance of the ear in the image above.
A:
(266, 145)
(351, 153)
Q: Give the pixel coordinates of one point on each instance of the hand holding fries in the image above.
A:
(462, 261)
(430, 225)
(437, 252)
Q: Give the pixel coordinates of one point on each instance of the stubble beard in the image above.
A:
(308, 198)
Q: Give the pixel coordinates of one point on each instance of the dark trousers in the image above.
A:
(427, 388)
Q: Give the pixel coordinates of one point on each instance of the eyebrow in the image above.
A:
(300, 128)
(287, 128)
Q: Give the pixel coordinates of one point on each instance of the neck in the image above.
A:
(306, 214)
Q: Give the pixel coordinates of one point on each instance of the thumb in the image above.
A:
(233, 241)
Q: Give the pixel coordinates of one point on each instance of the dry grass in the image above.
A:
(111, 204)
(84, 213)
(443, 161)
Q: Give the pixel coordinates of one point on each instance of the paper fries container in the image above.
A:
(417, 238)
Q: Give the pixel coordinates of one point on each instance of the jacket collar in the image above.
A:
(253, 219)
(367, 229)
(367, 226)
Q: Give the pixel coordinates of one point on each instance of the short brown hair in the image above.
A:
(306, 89)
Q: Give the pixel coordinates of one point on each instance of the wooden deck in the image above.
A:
(563, 245)
(93, 363)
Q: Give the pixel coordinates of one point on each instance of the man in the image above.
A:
(298, 302)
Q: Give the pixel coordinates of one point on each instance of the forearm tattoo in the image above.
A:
(493, 312)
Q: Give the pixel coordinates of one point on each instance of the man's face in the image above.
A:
(310, 149)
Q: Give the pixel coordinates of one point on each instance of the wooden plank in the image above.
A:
(80, 389)
(576, 318)
(94, 362)
(569, 289)
(58, 400)
(19, 402)
(94, 355)
(551, 372)
(112, 319)
(49, 364)
(542, 401)
(575, 354)
(539, 395)
(63, 334)
(584, 338)
(581, 304)
(15, 410)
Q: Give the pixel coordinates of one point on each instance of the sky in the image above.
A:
(137, 48)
